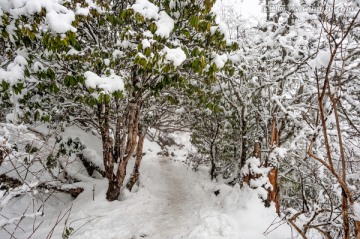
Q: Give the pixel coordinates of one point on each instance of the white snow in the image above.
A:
(175, 55)
(82, 11)
(175, 202)
(33, 6)
(165, 25)
(58, 17)
(219, 60)
(171, 201)
(321, 60)
(145, 43)
(109, 84)
(146, 9)
(14, 71)
(356, 208)
(61, 22)
(180, 110)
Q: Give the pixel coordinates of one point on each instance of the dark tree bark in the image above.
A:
(118, 130)
(113, 191)
(2, 156)
(213, 153)
(107, 141)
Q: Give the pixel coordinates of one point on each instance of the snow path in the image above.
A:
(167, 205)
(178, 205)
(176, 212)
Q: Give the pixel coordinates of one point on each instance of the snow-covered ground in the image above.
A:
(171, 201)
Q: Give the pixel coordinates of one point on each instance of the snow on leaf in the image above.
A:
(109, 84)
(165, 25)
(176, 56)
(146, 9)
(61, 22)
(219, 60)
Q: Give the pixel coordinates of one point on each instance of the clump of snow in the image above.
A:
(146, 9)
(106, 62)
(175, 55)
(213, 29)
(276, 153)
(261, 181)
(72, 51)
(235, 58)
(82, 11)
(33, 6)
(219, 60)
(281, 152)
(148, 34)
(14, 71)
(58, 17)
(252, 166)
(61, 22)
(180, 111)
(38, 66)
(145, 43)
(165, 25)
(109, 84)
(117, 53)
(321, 60)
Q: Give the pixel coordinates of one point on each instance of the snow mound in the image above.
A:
(241, 215)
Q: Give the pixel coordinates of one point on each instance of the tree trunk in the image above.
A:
(118, 130)
(104, 118)
(113, 191)
(357, 229)
(213, 152)
(2, 156)
(345, 212)
(107, 141)
(135, 174)
(132, 141)
(273, 193)
(243, 144)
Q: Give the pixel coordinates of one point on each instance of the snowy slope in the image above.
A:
(171, 202)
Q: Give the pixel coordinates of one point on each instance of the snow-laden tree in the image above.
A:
(285, 60)
(98, 64)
